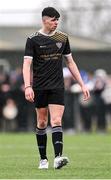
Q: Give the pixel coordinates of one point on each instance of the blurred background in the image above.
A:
(88, 24)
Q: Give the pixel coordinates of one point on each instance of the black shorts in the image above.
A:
(44, 97)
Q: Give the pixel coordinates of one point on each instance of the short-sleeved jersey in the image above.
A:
(46, 52)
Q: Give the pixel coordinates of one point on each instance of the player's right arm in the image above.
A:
(28, 57)
(29, 93)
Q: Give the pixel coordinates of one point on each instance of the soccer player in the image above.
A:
(45, 49)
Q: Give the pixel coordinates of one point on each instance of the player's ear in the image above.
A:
(44, 19)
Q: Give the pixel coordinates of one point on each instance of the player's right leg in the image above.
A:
(42, 119)
(41, 136)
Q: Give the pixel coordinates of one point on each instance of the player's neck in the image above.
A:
(46, 32)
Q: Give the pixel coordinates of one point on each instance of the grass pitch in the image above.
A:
(89, 154)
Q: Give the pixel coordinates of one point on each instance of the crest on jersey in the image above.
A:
(59, 45)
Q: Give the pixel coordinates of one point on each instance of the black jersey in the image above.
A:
(46, 52)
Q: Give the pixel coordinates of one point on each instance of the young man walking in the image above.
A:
(45, 50)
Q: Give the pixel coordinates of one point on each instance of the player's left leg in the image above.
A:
(56, 113)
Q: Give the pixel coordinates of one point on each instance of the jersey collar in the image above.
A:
(51, 34)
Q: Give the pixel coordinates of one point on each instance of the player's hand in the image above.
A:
(86, 92)
(29, 94)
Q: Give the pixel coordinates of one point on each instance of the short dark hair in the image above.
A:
(51, 12)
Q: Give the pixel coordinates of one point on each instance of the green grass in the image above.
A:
(89, 154)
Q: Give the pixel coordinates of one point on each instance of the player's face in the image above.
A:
(50, 23)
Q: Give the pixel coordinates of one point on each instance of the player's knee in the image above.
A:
(56, 121)
(42, 124)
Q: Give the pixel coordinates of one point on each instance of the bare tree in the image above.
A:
(88, 18)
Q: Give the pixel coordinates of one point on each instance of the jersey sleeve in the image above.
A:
(67, 50)
(29, 50)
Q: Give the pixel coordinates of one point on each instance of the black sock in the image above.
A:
(41, 137)
(57, 139)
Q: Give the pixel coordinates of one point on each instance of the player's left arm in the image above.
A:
(76, 75)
